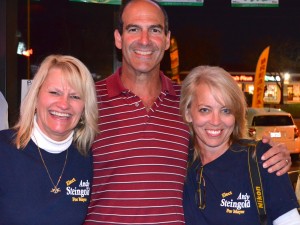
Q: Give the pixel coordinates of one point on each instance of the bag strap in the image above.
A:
(256, 183)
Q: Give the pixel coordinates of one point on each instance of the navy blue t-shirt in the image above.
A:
(25, 186)
(228, 193)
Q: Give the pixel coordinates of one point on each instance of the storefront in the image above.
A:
(291, 90)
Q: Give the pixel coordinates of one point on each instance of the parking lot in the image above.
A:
(295, 164)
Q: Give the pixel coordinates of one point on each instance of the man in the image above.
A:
(140, 156)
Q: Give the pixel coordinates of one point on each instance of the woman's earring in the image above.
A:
(81, 121)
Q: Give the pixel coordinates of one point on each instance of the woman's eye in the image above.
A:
(226, 111)
(75, 97)
(54, 92)
(203, 110)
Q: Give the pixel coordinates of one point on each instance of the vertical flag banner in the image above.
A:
(174, 58)
(259, 80)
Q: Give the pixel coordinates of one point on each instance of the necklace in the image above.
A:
(55, 189)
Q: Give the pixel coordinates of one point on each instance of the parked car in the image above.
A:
(277, 123)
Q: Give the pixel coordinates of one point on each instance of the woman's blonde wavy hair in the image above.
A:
(78, 76)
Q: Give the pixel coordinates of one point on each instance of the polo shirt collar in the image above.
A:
(115, 86)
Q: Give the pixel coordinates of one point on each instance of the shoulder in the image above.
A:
(7, 136)
(82, 164)
(250, 147)
(261, 148)
(247, 143)
(177, 88)
(109, 80)
(170, 86)
(8, 147)
(193, 165)
(101, 84)
(78, 156)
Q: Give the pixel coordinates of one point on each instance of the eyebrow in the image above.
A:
(157, 26)
(151, 27)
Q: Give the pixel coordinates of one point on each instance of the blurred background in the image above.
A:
(214, 33)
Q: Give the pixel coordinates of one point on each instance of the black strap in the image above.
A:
(257, 187)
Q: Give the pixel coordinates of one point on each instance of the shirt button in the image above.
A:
(137, 104)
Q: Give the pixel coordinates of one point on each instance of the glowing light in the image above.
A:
(27, 53)
(287, 76)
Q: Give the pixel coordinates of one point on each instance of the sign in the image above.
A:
(182, 2)
(243, 78)
(259, 80)
(162, 2)
(255, 3)
(111, 2)
(25, 85)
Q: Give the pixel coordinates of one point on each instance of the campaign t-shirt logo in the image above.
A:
(79, 190)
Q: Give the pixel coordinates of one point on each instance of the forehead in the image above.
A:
(145, 12)
(202, 90)
(206, 93)
(56, 77)
(54, 73)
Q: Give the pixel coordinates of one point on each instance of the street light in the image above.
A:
(286, 78)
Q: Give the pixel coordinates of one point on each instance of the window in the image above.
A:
(277, 120)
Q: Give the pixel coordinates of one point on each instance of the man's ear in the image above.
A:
(168, 41)
(118, 39)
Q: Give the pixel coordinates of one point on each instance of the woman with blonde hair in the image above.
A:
(45, 163)
(218, 188)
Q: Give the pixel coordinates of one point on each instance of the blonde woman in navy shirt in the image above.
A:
(45, 163)
(218, 189)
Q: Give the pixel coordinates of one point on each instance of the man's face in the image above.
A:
(143, 41)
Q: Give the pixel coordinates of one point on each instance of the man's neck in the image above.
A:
(147, 86)
(144, 85)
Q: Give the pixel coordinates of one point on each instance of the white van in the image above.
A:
(277, 123)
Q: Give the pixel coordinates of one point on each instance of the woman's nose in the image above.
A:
(215, 118)
(64, 102)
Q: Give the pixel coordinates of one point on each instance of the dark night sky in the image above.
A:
(234, 35)
(215, 33)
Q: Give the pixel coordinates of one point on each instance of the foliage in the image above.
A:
(284, 57)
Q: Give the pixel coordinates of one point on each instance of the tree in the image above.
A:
(283, 57)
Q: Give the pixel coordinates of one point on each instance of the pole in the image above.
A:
(28, 38)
